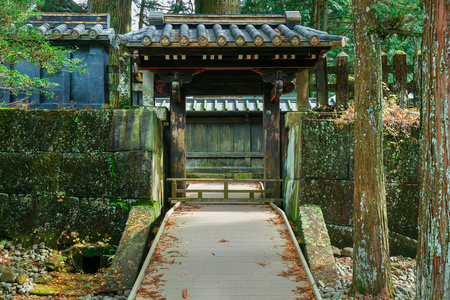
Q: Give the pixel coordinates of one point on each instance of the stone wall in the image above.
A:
(68, 175)
(319, 170)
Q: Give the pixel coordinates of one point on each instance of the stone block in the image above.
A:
(402, 203)
(317, 244)
(102, 218)
(401, 157)
(22, 211)
(290, 202)
(335, 198)
(87, 175)
(133, 173)
(162, 113)
(58, 131)
(293, 118)
(5, 128)
(135, 130)
(16, 172)
(56, 213)
(132, 249)
(5, 215)
(294, 150)
(325, 150)
(33, 131)
(93, 132)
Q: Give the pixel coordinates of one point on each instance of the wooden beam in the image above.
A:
(271, 137)
(322, 82)
(223, 89)
(178, 138)
(224, 155)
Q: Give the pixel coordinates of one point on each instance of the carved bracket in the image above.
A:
(169, 82)
(280, 79)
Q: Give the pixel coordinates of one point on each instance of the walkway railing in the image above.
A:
(227, 193)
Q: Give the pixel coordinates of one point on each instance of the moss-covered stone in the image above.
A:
(7, 275)
(401, 157)
(133, 171)
(132, 248)
(5, 128)
(101, 219)
(402, 201)
(135, 130)
(87, 175)
(316, 243)
(55, 214)
(290, 200)
(5, 215)
(16, 172)
(22, 211)
(325, 151)
(56, 131)
(335, 197)
(48, 290)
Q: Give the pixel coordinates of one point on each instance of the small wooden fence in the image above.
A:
(338, 79)
(180, 194)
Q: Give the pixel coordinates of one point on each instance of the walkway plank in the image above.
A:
(225, 251)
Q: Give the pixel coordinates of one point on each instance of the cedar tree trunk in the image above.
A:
(371, 264)
(120, 12)
(433, 255)
(217, 6)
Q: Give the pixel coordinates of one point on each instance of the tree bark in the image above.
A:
(371, 264)
(120, 12)
(433, 255)
(217, 6)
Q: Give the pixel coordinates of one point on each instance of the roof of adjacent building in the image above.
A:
(168, 30)
(75, 27)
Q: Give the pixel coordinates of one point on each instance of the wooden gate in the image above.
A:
(224, 145)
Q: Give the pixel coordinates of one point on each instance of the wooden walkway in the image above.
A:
(223, 251)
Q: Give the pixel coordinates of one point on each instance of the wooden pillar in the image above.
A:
(400, 78)
(271, 135)
(302, 80)
(148, 88)
(322, 82)
(342, 81)
(178, 138)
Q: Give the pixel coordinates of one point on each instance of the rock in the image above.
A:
(320, 284)
(127, 293)
(52, 264)
(347, 251)
(22, 278)
(336, 251)
(43, 279)
(7, 275)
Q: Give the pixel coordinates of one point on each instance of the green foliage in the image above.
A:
(20, 43)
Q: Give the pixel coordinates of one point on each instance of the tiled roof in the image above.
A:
(228, 104)
(167, 30)
(287, 104)
(75, 27)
